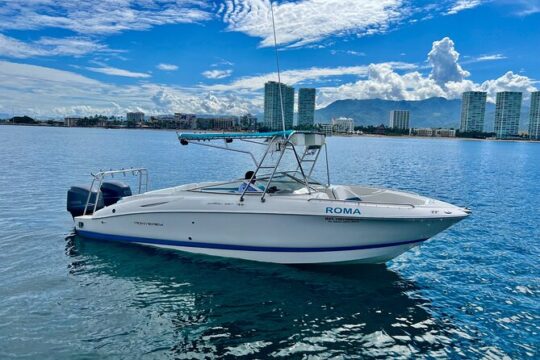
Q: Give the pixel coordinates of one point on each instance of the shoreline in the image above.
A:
(333, 135)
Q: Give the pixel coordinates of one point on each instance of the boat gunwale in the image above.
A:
(364, 218)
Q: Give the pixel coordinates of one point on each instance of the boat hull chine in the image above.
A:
(372, 254)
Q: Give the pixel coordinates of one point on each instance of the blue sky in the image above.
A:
(65, 57)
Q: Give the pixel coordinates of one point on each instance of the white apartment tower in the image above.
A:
(473, 111)
(507, 113)
(534, 116)
(399, 119)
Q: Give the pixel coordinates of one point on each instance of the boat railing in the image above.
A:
(97, 179)
(368, 203)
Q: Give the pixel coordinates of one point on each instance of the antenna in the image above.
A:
(277, 64)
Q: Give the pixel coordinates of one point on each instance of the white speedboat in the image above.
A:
(276, 214)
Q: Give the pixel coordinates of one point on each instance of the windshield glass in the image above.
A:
(282, 183)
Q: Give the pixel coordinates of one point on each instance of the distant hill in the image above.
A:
(432, 112)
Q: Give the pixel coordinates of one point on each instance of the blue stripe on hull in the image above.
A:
(193, 244)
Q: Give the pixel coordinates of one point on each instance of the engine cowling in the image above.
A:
(77, 197)
(113, 191)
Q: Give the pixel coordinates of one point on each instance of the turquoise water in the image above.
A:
(471, 292)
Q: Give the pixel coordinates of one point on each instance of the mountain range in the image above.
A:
(433, 112)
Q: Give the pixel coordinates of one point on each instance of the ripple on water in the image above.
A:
(471, 292)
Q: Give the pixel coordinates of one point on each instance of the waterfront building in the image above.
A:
(272, 105)
(248, 122)
(444, 132)
(218, 123)
(399, 119)
(167, 117)
(534, 116)
(165, 121)
(343, 125)
(185, 121)
(306, 107)
(135, 116)
(326, 129)
(71, 121)
(424, 132)
(507, 114)
(224, 123)
(430, 132)
(473, 111)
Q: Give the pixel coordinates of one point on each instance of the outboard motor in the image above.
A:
(78, 196)
(113, 191)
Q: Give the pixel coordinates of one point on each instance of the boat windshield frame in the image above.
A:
(278, 179)
(276, 142)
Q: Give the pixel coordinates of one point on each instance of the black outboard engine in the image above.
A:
(113, 191)
(78, 196)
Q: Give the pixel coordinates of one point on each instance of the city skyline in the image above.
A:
(214, 57)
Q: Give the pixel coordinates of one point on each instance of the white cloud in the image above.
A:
(29, 74)
(308, 21)
(43, 92)
(443, 58)
(167, 67)
(383, 82)
(461, 5)
(222, 62)
(99, 17)
(47, 46)
(348, 52)
(523, 7)
(118, 72)
(490, 57)
(295, 77)
(217, 74)
(206, 103)
(14, 48)
(508, 82)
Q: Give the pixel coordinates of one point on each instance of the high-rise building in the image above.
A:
(473, 111)
(136, 116)
(534, 116)
(399, 119)
(272, 105)
(306, 107)
(507, 113)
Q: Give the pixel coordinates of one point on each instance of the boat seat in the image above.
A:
(344, 193)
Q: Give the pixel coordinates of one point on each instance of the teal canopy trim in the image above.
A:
(218, 136)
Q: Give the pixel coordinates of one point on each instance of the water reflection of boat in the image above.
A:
(215, 306)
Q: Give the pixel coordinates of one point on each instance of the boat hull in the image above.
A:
(275, 238)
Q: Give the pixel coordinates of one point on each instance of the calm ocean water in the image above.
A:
(471, 292)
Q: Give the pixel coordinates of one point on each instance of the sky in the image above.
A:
(72, 58)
